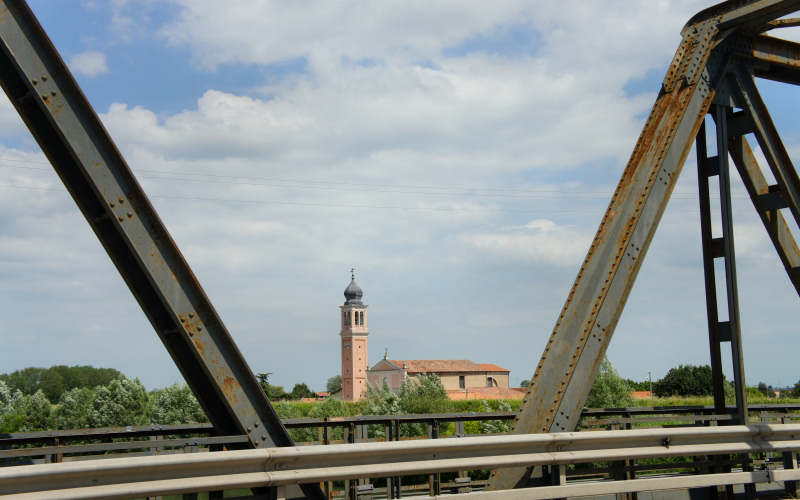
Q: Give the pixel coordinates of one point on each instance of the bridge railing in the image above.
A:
(77, 444)
(130, 477)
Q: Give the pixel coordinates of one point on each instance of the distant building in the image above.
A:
(354, 342)
(461, 378)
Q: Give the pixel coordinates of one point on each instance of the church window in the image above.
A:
(462, 383)
(361, 317)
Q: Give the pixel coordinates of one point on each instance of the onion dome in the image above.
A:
(353, 292)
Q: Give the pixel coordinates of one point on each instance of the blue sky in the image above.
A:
(459, 155)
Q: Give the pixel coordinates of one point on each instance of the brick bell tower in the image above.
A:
(354, 342)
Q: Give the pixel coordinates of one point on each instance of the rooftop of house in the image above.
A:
(445, 365)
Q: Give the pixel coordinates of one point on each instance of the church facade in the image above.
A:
(455, 374)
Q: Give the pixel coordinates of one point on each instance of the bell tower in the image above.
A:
(354, 342)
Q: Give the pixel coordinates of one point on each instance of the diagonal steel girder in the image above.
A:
(69, 132)
(583, 330)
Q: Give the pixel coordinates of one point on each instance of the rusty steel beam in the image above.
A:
(782, 23)
(69, 132)
(583, 330)
(775, 59)
(774, 221)
(768, 138)
(749, 15)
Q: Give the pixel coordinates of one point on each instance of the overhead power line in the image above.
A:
(503, 193)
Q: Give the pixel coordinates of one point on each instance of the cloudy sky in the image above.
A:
(459, 155)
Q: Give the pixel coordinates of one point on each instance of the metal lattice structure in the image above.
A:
(722, 50)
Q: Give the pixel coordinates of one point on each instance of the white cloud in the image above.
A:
(541, 241)
(90, 63)
(264, 32)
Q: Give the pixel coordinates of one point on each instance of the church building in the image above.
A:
(461, 378)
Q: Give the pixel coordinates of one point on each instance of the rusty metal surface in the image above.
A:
(775, 59)
(774, 221)
(768, 139)
(583, 330)
(69, 132)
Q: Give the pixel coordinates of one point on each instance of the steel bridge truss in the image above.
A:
(722, 50)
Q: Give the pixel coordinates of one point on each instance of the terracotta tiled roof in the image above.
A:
(490, 367)
(438, 365)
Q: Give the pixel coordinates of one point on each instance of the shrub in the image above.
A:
(609, 389)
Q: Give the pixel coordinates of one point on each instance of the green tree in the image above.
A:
(525, 383)
(380, 401)
(494, 426)
(796, 390)
(25, 380)
(609, 389)
(35, 410)
(72, 411)
(331, 407)
(334, 384)
(9, 398)
(273, 392)
(175, 404)
(121, 402)
(300, 391)
(52, 384)
(766, 390)
(685, 380)
(56, 380)
(638, 386)
(423, 394)
(11, 419)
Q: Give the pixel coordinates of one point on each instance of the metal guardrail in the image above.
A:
(281, 467)
(54, 444)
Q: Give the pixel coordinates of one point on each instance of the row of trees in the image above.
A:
(57, 380)
(690, 380)
(277, 392)
(121, 402)
(125, 401)
(610, 389)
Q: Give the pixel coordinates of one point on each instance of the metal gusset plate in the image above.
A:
(69, 132)
(583, 330)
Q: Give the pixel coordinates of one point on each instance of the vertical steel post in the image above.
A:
(722, 247)
(705, 169)
(721, 115)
